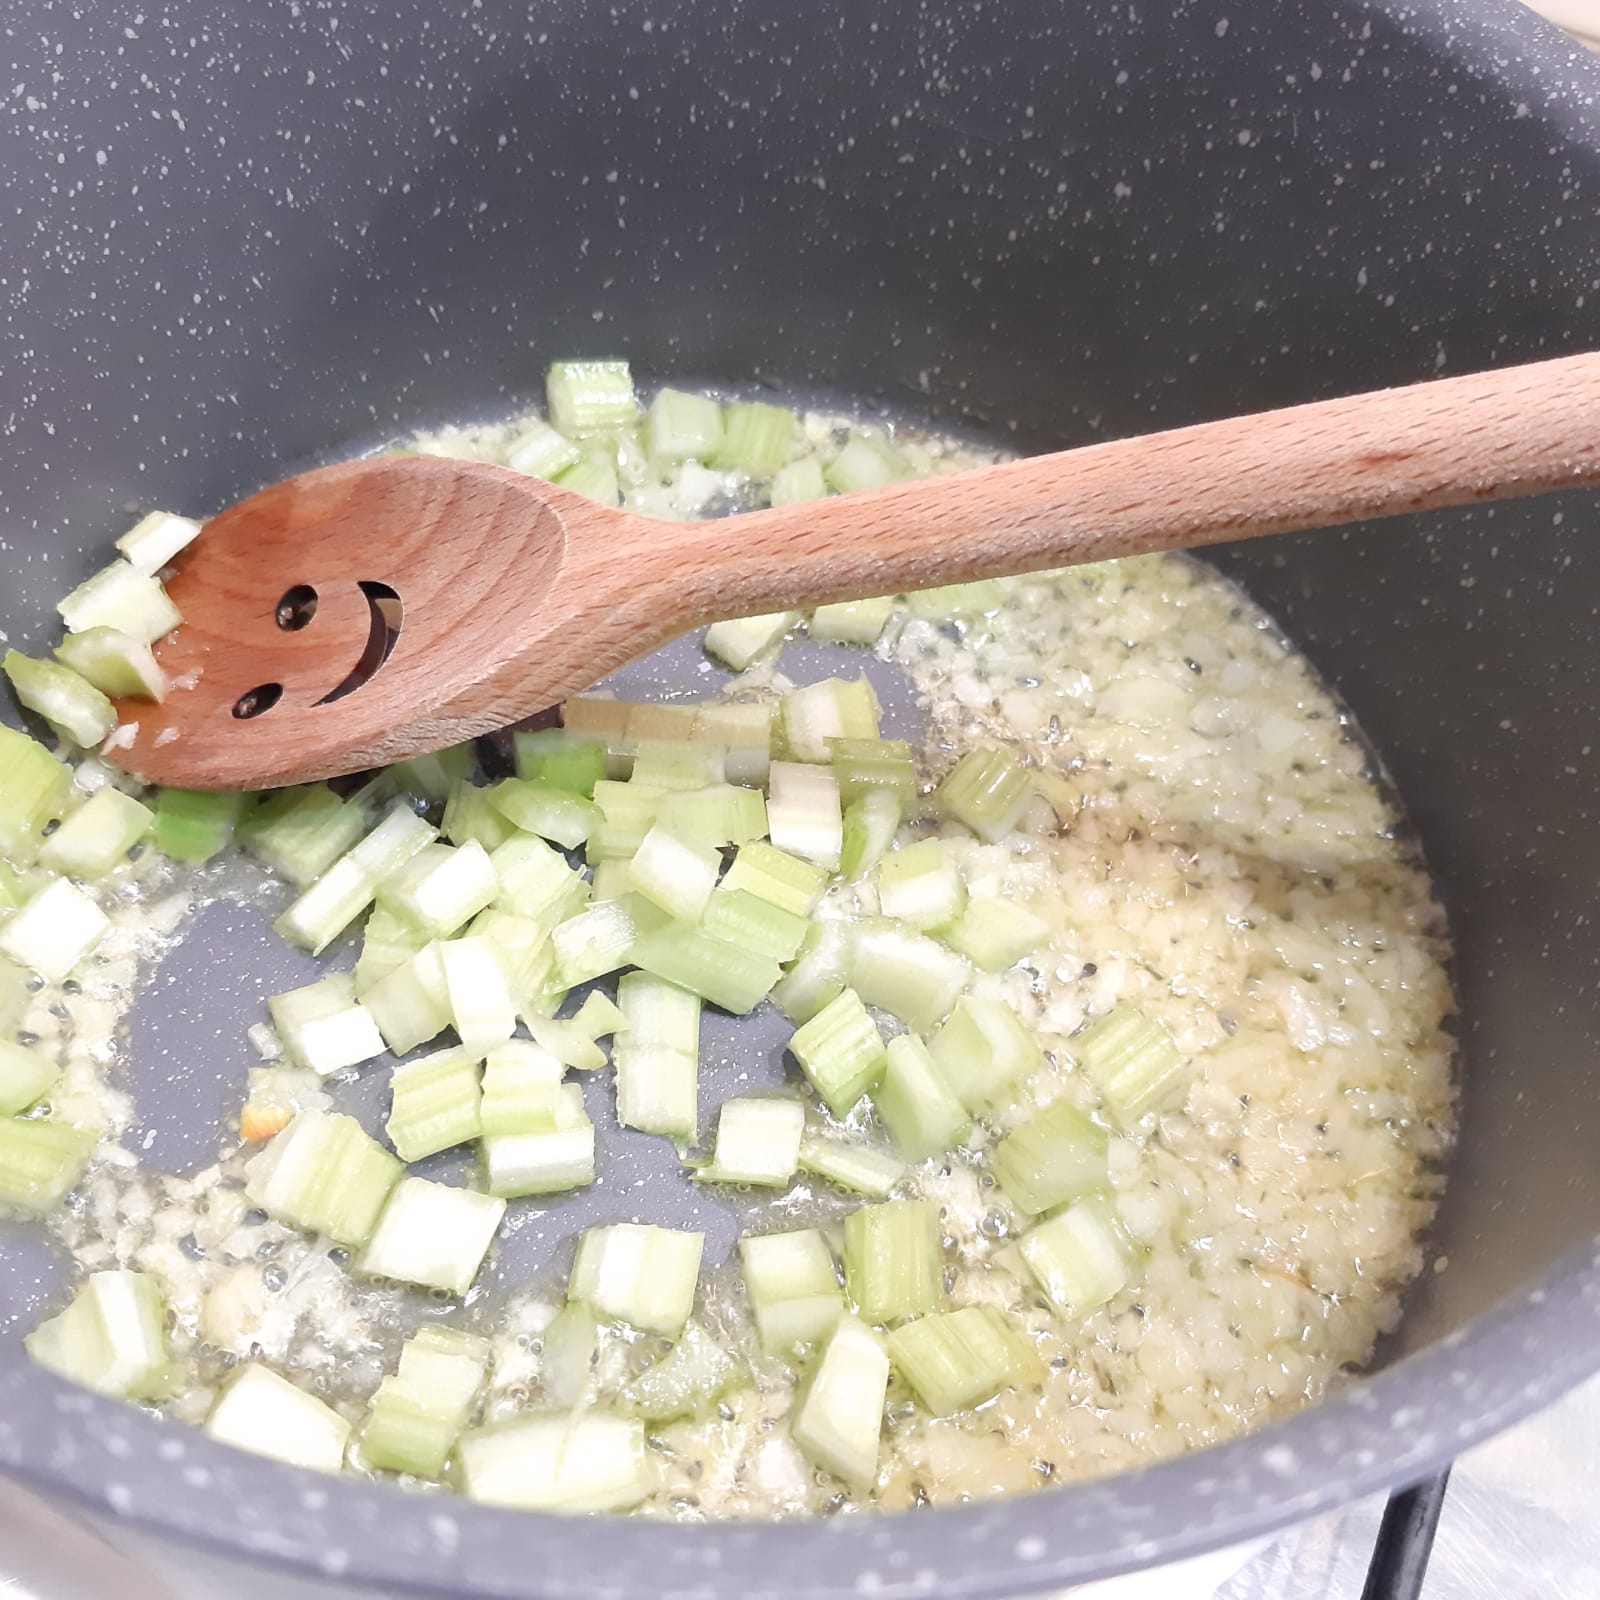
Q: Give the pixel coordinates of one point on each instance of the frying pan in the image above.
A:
(237, 239)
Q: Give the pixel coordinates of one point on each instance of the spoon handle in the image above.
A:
(1491, 435)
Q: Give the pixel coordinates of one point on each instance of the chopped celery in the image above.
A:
(642, 1275)
(543, 1160)
(850, 621)
(840, 1416)
(609, 880)
(40, 1160)
(905, 973)
(956, 1360)
(436, 1104)
(987, 791)
(469, 818)
(541, 452)
(736, 980)
(917, 1105)
(803, 815)
(1081, 1257)
(526, 955)
(541, 808)
(33, 789)
(482, 1007)
(681, 426)
(431, 777)
(27, 1075)
(792, 1286)
(773, 875)
(758, 1142)
(955, 600)
(12, 893)
(411, 1004)
(798, 482)
(864, 765)
(743, 728)
(867, 461)
(856, 1167)
(419, 1411)
(674, 874)
(195, 825)
(745, 919)
(870, 826)
(818, 976)
(121, 597)
(892, 1263)
(599, 1015)
(567, 1360)
(814, 715)
(267, 1415)
(657, 1059)
(677, 765)
(627, 813)
(594, 477)
(387, 942)
(985, 1053)
(442, 887)
(112, 1338)
(840, 1051)
(1131, 1059)
(1057, 1155)
(58, 928)
(59, 695)
(649, 722)
(323, 1174)
(756, 438)
(921, 885)
(433, 1235)
(116, 665)
(15, 994)
(720, 814)
(738, 641)
(536, 882)
(597, 716)
(300, 833)
(569, 1042)
(995, 934)
(562, 759)
(521, 1089)
(684, 1382)
(97, 837)
(601, 939)
(155, 539)
(553, 1463)
(323, 1026)
(590, 396)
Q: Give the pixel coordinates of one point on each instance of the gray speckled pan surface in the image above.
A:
(236, 238)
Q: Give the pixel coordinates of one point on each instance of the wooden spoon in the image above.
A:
(382, 608)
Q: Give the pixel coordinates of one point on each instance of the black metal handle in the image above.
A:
(1405, 1541)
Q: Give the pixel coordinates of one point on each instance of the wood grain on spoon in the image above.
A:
(513, 593)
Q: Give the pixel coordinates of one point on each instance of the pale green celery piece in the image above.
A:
(740, 640)
(599, 1015)
(442, 887)
(685, 1382)
(565, 818)
(1132, 1060)
(657, 1058)
(1082, 1257)
(863, 765)
(840, 1415)
(482, 1007)
(815, 714)
(798, 482)
(793, 1288)
(12, 894)
(988, 792)
(1057, 1155)
(720, 814)
(33, 790)
(569, 1042)
(841, 1052)
(411, 1004)
(734, 979)
(155, 539)
(676, 765)
(120, 596)
(387, 941)
(557, 1463)
(742, 728)
(985, 1053)
(674, 874)
(850, 621)
(956, 1360)
(758, 1142)
(893, 1266)
(27, 1075)
(323, 1174)
(610, 880)
(59, 927)
(856, 1167)
(526, 956)
(803, 813)
(594, 476)
(561, 758)
(97, 837)
(470, 818)
(995, 934)
(756, 438)
(112, 1338)
(773, 875)
(15, 995)
(818, 976)
(744, 919)
(521, 1089)
(267, 1415)
(956, 600)
(870, 825)
(681, 427)
(543, 1160)
(640, 1274)
(196, 825)
(324, 1027)
(59, 695)
(905, 973)
(627, 813)
(597, 716)
(587, 397)
(117, 665)
(536, 882)
(921, 885)
(917, 1105)
(433, 1235)
(542, 452)
(435, 1103)
(867, 461)
(603, 938)
(431, 777)
(300, 833)
(420, 1411)
(40, 1161)
(662, 724)
(566, 1369)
